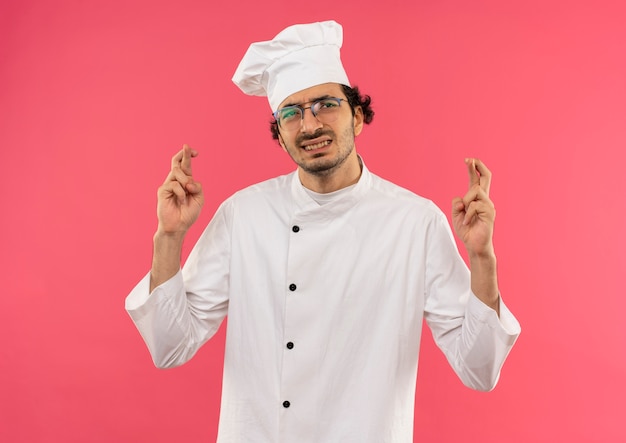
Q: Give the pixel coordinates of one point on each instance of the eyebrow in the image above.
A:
(323, 97)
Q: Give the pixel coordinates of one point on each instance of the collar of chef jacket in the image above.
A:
(309, 209)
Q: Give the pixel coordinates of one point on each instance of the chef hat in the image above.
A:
(299, 57)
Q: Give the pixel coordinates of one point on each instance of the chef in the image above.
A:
(325, 274)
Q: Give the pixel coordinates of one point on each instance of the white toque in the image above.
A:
(299, 57)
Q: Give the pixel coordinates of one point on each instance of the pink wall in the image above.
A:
(96, 96)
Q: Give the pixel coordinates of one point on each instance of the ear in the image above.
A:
(358, 120)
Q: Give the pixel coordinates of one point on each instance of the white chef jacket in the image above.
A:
(325, 307)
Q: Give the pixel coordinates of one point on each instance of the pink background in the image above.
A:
(95, 97)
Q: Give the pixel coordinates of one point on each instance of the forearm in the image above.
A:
(166, 257)
(484, 279)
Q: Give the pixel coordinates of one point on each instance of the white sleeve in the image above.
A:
(181, 314)
(473, 338)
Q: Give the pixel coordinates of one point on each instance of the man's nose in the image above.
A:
(309, 123)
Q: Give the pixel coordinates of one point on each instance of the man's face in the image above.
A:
(321, 148)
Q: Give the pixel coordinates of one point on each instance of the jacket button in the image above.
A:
(295, 228)
(286, 404)
(292, 287)
(290, 345)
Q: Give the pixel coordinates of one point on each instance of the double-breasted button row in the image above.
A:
(292, 287)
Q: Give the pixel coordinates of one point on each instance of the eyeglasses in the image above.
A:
(326, 110)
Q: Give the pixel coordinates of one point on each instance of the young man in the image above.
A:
(325, 274)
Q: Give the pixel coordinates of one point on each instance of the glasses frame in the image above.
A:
(304, 108)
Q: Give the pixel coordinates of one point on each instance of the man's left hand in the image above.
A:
(473, 215)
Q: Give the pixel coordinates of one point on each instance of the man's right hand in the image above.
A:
(180, 197)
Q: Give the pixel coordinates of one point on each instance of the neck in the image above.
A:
(342, 176)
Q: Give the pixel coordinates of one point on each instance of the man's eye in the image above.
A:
(325, 104)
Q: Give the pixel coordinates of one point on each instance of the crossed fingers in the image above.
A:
(476, 200)
(479, 174)
(180, 181)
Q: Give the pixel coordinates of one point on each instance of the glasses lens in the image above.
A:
(326, 109)
(289, 117)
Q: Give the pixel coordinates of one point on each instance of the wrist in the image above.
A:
(170, 237)
(485, 255)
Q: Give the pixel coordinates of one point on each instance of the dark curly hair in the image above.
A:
(354, 99)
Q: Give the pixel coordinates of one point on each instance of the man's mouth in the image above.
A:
(317, 145)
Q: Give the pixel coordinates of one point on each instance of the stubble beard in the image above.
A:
(325, 167)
